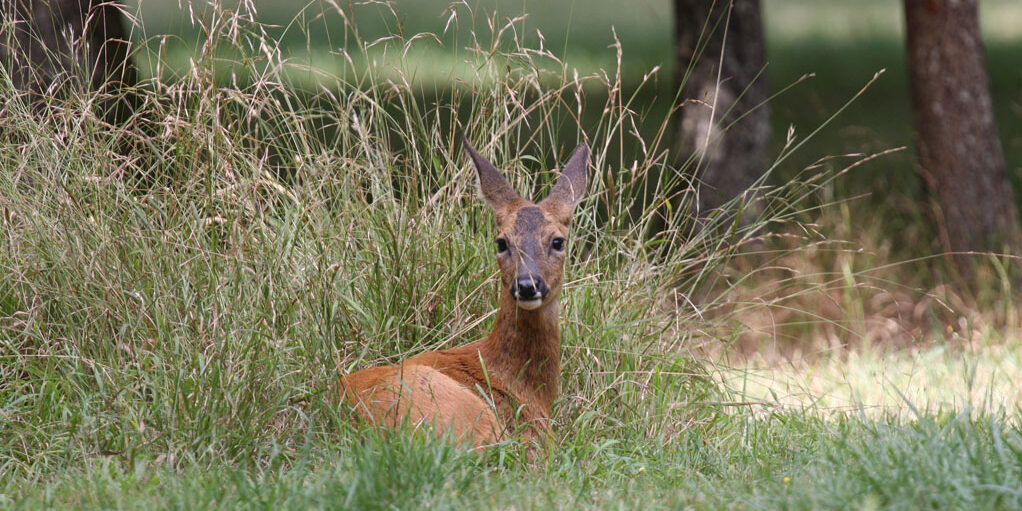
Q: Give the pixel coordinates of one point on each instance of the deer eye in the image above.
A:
(501, 245)
(557, 244)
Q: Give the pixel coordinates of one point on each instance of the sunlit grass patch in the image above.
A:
(1001, 20)
(981, 380)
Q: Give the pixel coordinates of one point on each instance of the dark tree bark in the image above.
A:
(53, 45)
(721, 56)
(960, 159)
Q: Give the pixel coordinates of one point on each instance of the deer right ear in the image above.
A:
(494, 188)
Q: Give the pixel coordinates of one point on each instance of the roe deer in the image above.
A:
(482, 391)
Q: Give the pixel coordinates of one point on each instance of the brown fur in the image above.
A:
(508, 381)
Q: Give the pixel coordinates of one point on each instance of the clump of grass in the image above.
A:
(193, 299)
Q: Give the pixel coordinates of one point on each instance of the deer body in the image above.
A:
(482, 392)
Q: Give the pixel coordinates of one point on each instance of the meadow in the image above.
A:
(178, 295)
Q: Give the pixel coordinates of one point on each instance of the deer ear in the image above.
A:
(492, 186)
(570, 187)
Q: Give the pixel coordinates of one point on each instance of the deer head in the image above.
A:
(532, 237)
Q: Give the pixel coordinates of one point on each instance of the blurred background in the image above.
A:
(841, 44)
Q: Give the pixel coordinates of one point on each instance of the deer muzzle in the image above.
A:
(529, 291)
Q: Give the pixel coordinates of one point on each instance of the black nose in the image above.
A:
(528, 288)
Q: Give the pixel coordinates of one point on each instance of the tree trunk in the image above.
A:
(721, 56)
(960, 159)
(52, 46)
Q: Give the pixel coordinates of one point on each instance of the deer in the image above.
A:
(505, 384)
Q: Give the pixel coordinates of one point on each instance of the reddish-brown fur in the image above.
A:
(508, 381)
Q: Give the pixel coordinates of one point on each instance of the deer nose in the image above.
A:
(529, 288)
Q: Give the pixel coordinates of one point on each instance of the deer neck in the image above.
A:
(524, 349)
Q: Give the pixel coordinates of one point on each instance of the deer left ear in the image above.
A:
(570, 187)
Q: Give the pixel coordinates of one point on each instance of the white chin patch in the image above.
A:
(530, 304)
